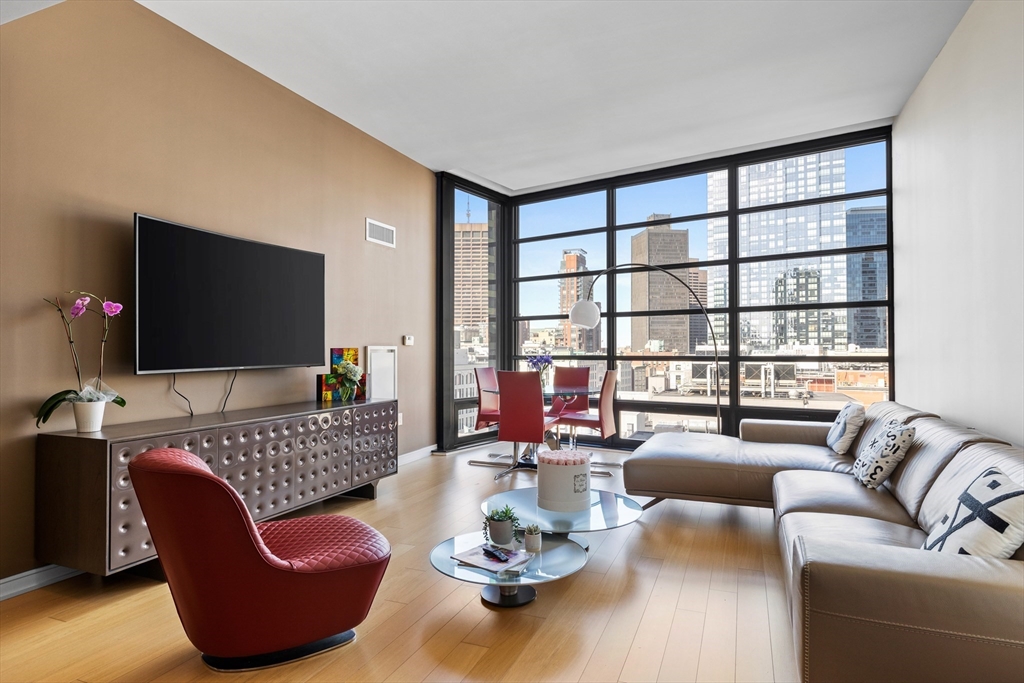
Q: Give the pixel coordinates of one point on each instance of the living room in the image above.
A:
(226, 117)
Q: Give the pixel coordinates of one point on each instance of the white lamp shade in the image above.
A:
(585, 313)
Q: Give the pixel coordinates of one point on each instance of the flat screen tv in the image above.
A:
(205, 301)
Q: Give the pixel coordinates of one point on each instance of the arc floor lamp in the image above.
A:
(585, 313)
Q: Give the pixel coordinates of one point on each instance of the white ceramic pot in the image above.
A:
(532, 543)
(500, 532)
(89, 416)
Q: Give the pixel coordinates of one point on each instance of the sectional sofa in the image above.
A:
(867, 603)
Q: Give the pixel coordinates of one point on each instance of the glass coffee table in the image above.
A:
(607, 510)
(558, 558)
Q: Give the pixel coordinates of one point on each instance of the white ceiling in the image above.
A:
(525, 95)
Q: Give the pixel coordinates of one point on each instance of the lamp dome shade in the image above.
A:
(585, 313)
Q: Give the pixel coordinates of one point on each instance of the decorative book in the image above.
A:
(475, 557)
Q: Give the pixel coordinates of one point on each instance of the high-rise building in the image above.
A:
(475, 286)
(867, 276)
(653, 291)
(571, 290)
(800, 285)
(773, 231)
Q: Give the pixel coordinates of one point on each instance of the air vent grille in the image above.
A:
(381, 233)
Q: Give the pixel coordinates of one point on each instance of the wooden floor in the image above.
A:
(692, 592)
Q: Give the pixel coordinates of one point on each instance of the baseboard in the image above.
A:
(413, 456)
(33, 579)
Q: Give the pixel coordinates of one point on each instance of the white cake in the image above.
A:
(563, 481)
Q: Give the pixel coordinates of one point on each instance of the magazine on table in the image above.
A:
(475, 557)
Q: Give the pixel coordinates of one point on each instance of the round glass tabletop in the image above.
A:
(559, 557)
(607, 511)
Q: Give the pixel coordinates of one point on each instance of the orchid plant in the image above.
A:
(92, 390)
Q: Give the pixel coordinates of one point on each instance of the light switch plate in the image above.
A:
(408, 340)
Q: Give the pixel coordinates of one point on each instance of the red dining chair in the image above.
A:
(603, 422)
(488, 400)
(571, 377)
(522, 416)
(254, 595)
(488, 410)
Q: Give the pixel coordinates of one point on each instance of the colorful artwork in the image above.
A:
(328, 388)
(350, 354)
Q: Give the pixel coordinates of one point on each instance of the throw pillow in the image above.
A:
(987, 520)
(844, 430)
(880, 456)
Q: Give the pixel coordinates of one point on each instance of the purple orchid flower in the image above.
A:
(78, 309)
(111, 308)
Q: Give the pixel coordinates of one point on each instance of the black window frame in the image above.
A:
(732, 410)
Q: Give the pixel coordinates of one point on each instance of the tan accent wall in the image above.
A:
(107, 109)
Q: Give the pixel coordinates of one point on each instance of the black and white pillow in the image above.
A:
(987, 520)
(880, 456)
(844, 430)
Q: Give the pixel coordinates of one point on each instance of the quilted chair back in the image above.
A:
(207, 543)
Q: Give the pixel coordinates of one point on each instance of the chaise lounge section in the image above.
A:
(867, 603)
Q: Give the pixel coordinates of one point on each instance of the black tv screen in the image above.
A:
(205, 301)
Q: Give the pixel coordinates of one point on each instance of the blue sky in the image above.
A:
(865, 170)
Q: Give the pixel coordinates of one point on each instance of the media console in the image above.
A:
(278, 458)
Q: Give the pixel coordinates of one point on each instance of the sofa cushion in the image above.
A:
(838, 527)
(879, 457)
(964, 468)
(935, 444)
(878, 414)
(844, 430)
(714, 467)
(834, 493)
(987, 520)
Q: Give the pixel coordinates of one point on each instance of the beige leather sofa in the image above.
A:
(867, 603)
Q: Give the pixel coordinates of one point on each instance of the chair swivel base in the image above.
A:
(292, 654)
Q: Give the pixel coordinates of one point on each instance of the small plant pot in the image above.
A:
(532, 543)
(89, 416)
(500, 532)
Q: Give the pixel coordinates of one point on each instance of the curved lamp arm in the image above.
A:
(585, 313)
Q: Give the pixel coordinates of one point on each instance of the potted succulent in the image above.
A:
(92, 395)
(532, 538)
(501, 526)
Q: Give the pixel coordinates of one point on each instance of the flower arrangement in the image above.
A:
(540, 362)
(93, 390)
(350, 375)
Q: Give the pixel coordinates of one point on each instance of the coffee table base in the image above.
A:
(509, 596)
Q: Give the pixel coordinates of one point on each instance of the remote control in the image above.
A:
(495, 554)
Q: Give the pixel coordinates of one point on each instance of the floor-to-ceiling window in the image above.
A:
(789, 250)
(472, 224)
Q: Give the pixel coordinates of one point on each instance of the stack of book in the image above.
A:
(517, 561)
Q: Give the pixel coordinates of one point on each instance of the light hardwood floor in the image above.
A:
(692, 592)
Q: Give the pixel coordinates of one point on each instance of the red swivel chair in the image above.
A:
(522, 416)
(603, 422)
(254, 595)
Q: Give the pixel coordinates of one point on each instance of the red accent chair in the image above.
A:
(254, 595)
(604, 421)
(488, 410)
(522, 416)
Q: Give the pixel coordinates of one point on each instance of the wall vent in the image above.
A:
(381, 233)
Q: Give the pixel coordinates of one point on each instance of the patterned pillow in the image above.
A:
(878, 458)
(844, 430)
(987, 520)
